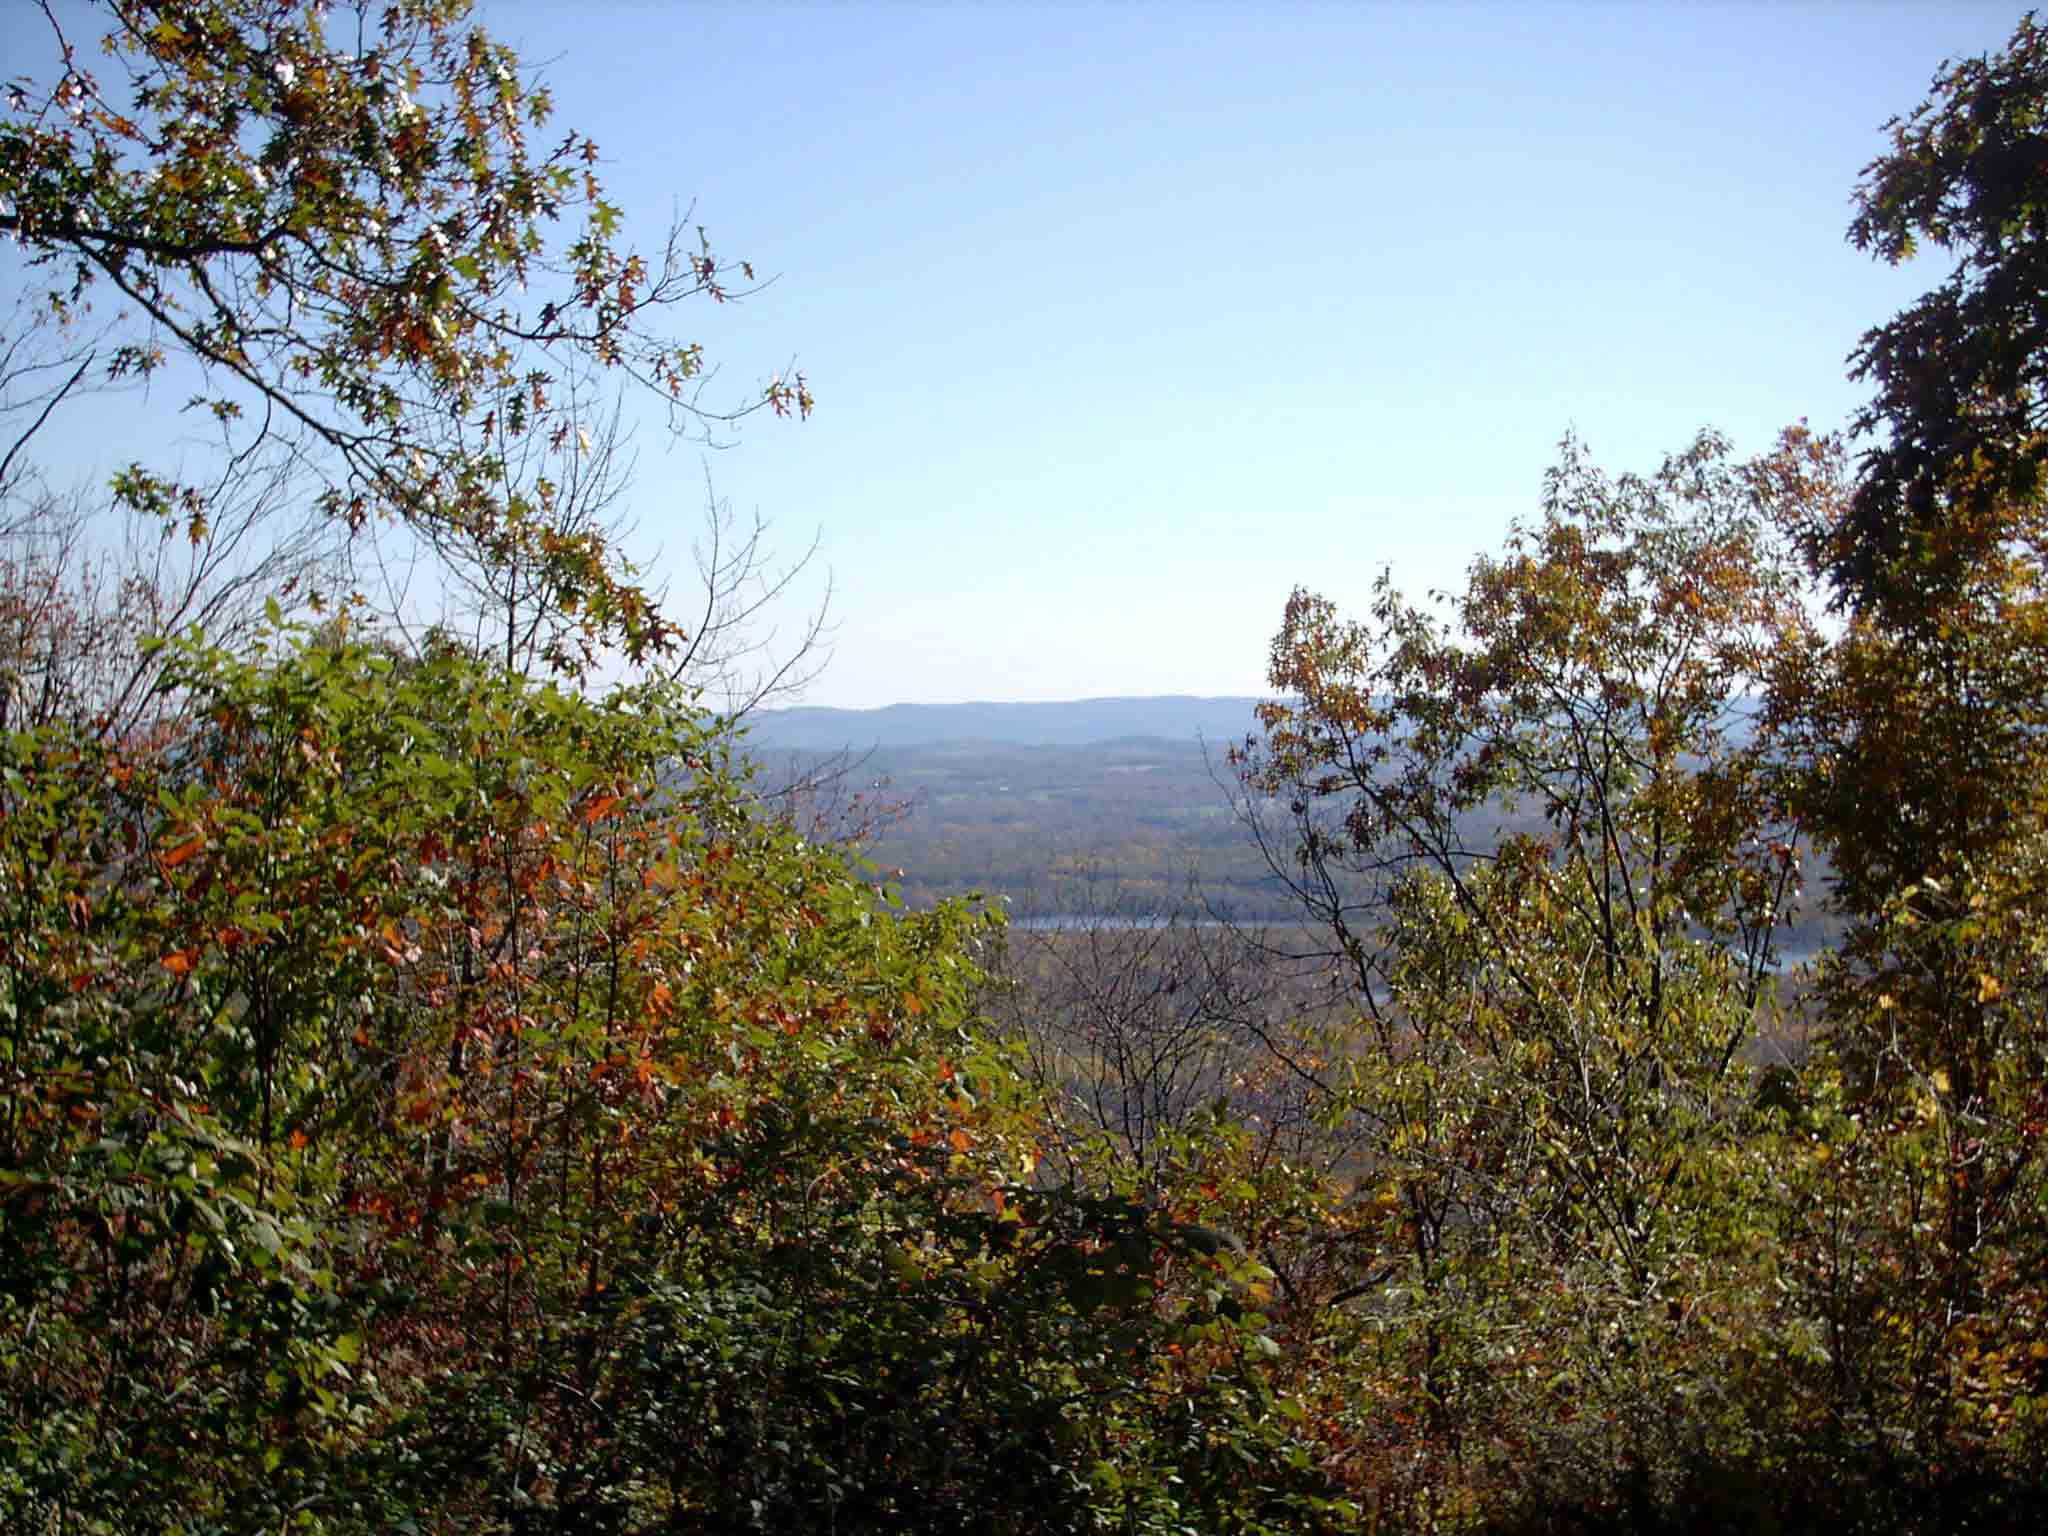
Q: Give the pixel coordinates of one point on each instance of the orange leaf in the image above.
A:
(180, 962)
(961, 1141)
(599, 807)
(182, 852)
(913, 1004)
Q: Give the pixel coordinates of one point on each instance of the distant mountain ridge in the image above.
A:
(1070, 723)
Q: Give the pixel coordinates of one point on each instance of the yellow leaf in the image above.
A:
(1988, 988)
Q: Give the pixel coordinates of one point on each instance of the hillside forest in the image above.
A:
(448, 1084)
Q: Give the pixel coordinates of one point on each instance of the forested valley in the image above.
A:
(1582, 1070)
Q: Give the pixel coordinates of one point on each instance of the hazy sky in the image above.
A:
(1124, 320)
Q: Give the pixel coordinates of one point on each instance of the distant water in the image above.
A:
(1077, 922)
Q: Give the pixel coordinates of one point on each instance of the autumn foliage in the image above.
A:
(443, 1095)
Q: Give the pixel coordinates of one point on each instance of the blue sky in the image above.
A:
(1124, 320)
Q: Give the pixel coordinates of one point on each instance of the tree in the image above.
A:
(502, 599)
(1618, 1268)
(1912, 745)
(1538, 831)
(459, 1098)
(1936, 696)
(369, 262)
(1951, 493)
(1591, 684)
(75, 614)
(1140, 1022)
